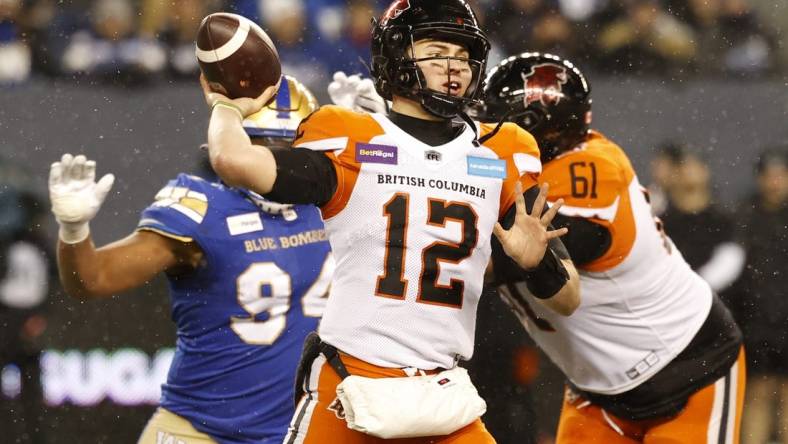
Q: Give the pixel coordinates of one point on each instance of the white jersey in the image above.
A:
(410, 227)
(641, 304)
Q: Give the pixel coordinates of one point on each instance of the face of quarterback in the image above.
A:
(446, 75)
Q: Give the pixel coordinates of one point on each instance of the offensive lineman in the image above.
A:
(410, 202)
(248, 279)
(651, 354)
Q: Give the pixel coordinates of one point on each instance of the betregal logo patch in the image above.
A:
(373, 153)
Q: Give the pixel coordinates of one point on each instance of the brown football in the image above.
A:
(236, 56)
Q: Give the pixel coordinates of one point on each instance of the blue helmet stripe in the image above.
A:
(283, 100)
(270, 132)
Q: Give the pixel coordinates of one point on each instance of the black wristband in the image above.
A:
(547, 278)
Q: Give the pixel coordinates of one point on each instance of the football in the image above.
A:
(236, 56)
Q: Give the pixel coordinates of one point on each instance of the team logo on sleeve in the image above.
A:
(544, 84)
(395, 10)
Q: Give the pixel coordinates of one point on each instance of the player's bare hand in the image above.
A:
(245, 105)
(526, 241)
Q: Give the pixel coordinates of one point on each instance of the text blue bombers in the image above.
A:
(486, 167)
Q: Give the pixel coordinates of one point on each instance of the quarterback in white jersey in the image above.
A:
(651, 354)
(411, 201)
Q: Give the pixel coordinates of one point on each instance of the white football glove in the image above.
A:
(76, 196)
(355, 93)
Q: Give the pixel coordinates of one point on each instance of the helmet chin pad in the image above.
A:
(438, 103)
(441, 104)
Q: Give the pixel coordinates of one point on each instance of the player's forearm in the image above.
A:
(567, 299)
(79, 269)
(234, 158)
(88, 272)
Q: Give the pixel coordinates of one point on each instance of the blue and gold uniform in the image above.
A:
(243, 313)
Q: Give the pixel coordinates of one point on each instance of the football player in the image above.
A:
(248, 279)
(651, 354)
(410, 200)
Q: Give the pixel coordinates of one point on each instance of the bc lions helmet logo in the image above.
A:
(394, 10)
(544, 84)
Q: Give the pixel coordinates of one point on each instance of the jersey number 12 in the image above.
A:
(392, 282)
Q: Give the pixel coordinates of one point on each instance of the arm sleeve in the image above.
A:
(586, 240)
(330, 132)
(303, 176)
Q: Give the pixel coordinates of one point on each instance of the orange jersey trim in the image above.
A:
(519, 149)
(593, 180)
(336, 131)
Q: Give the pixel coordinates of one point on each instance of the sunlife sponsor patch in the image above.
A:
(244, 223)
(482, 166)
(374, 153)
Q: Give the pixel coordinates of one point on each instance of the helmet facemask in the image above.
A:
(537, 121)
(460, 72)
(398, 71)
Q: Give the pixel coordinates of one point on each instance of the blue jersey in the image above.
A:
(243, 314)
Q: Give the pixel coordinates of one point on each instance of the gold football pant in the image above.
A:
(167, 427)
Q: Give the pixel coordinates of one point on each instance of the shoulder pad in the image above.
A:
(585, 179)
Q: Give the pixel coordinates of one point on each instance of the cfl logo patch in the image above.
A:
(432, 155)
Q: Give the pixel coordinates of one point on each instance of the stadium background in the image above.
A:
(104, 358)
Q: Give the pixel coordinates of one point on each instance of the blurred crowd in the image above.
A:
(27, 278)
(739, 250)
(662, 37)
(138, 41)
